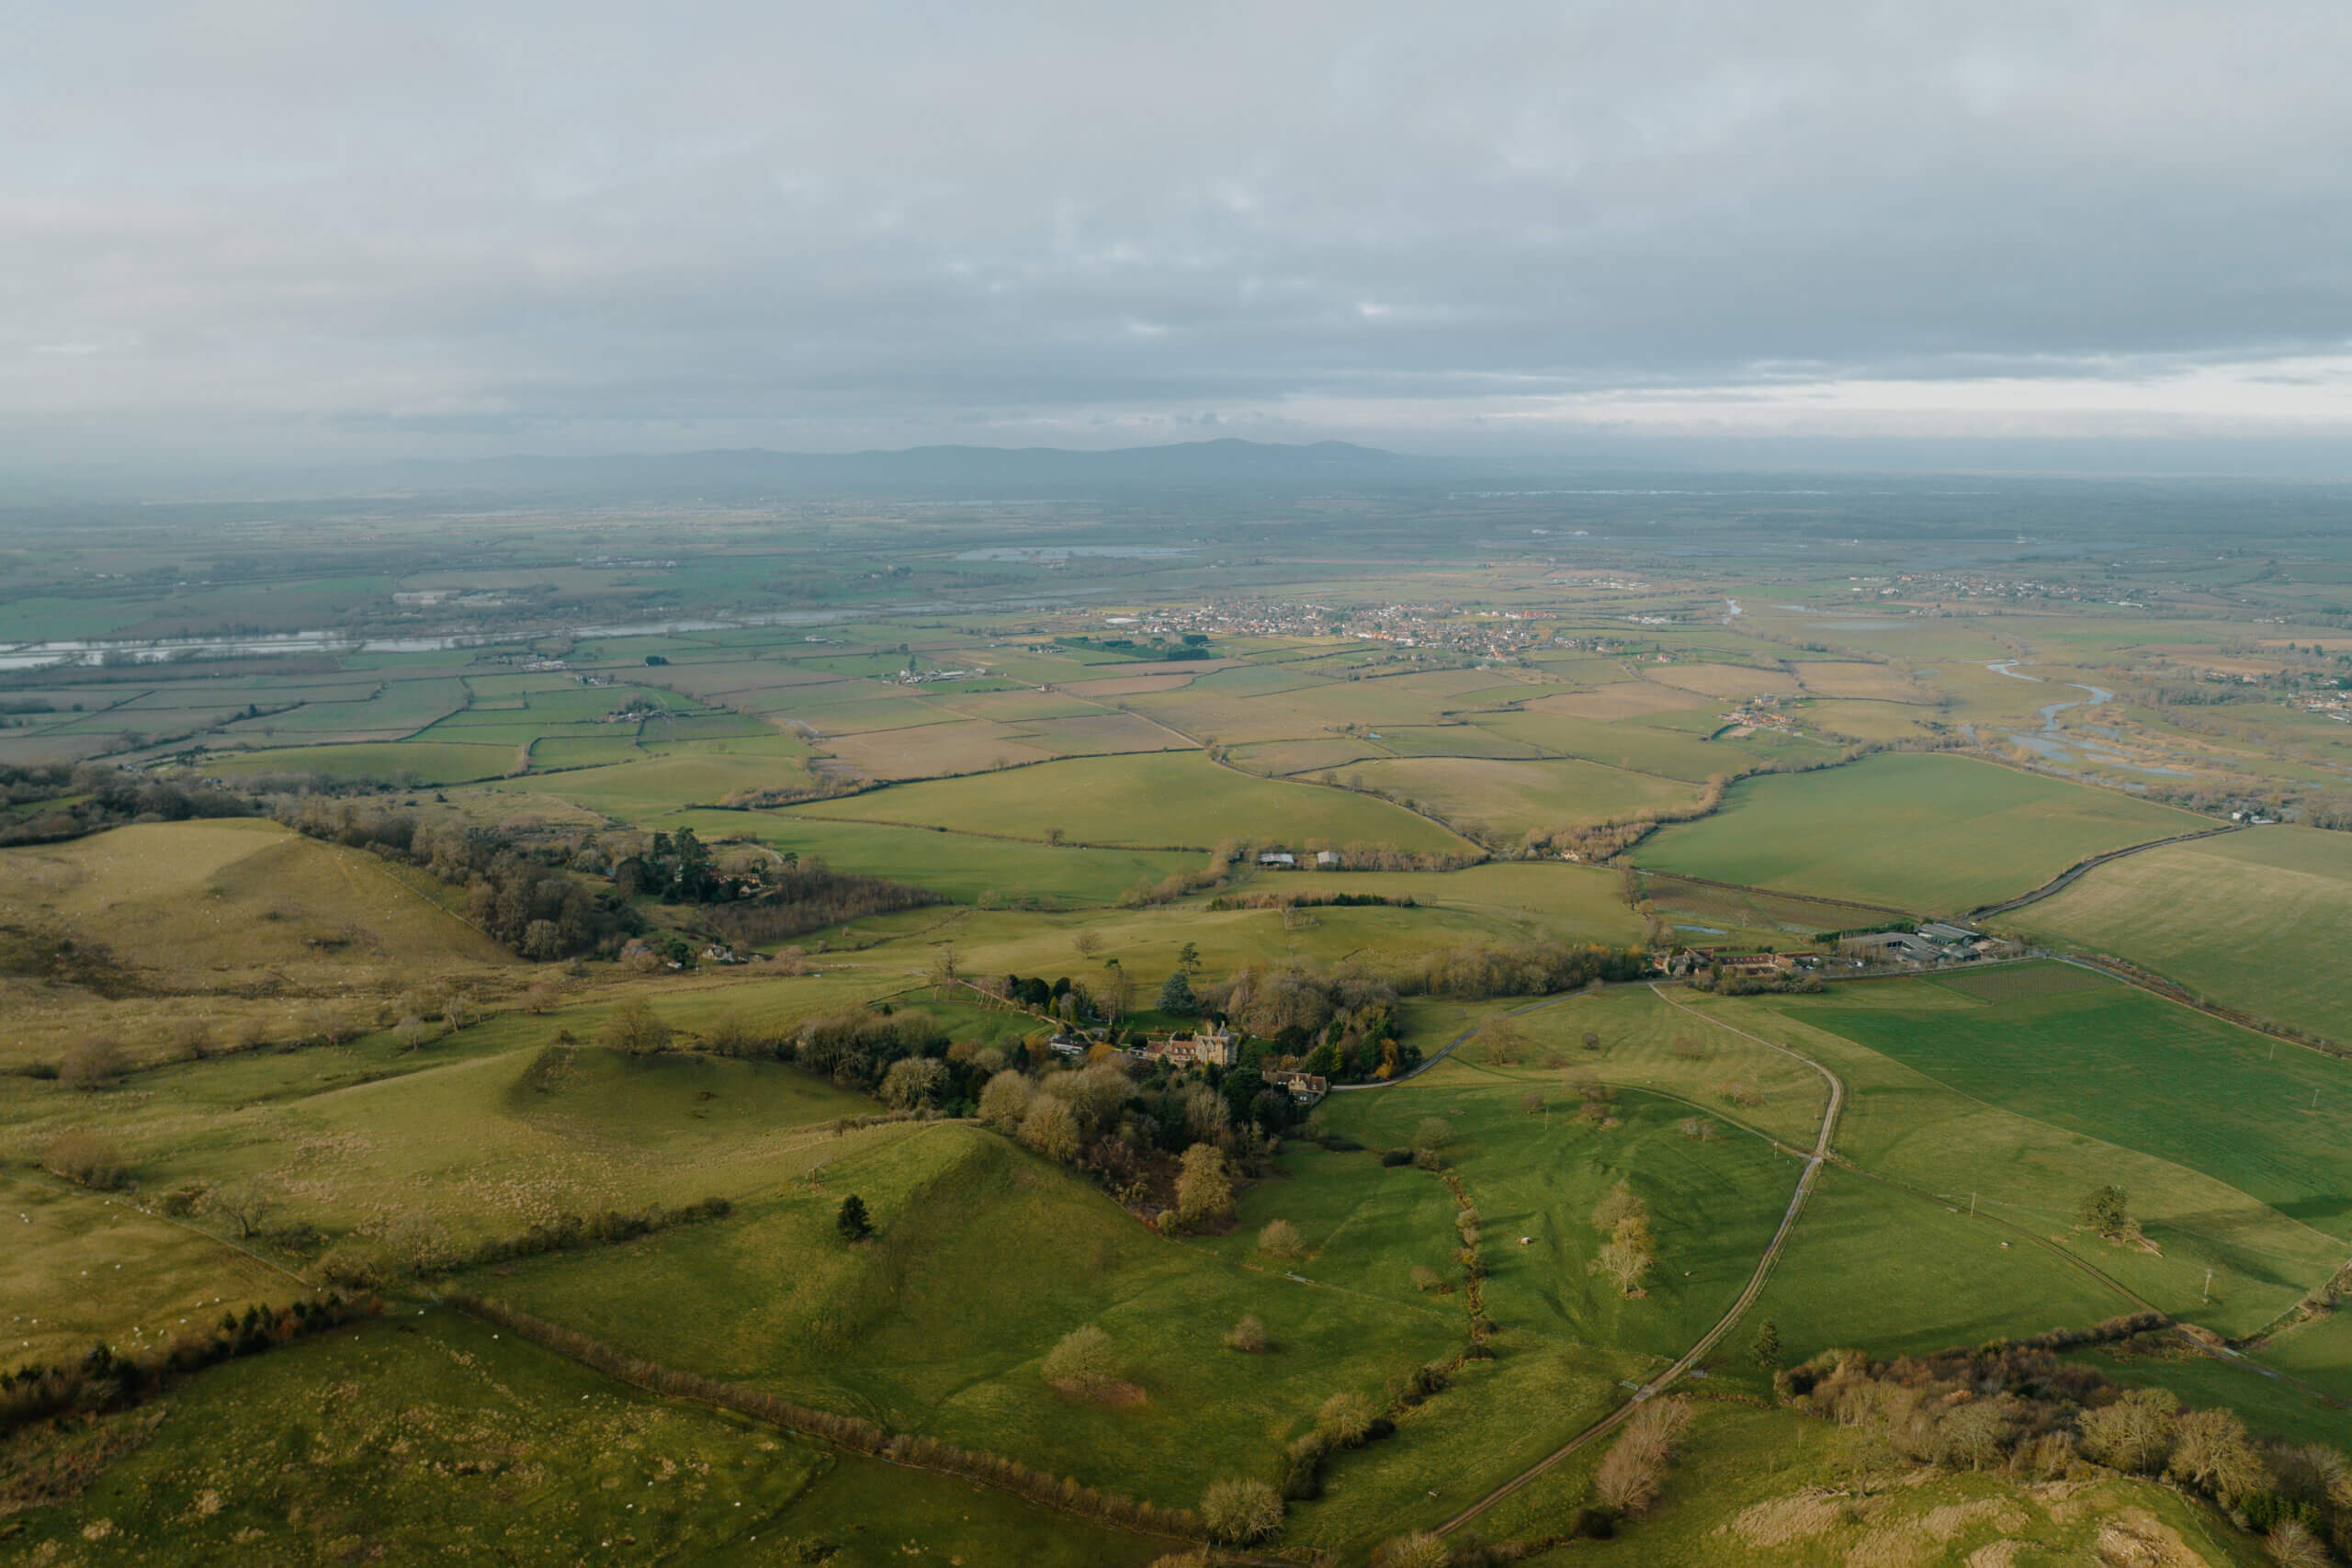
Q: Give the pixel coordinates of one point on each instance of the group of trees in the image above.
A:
(1631, 1251)
(1102, 1119)
(677, 868)
(105, 1379)
(46, 802)
(522, 895)
(806, 896)
(2022, 1410)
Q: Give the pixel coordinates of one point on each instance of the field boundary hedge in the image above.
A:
(908, 1450)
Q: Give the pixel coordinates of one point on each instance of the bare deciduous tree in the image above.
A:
(1050, 1127)
(1629, 1478)
(1004, 1100)
(244, 1203)
(1204, 1190)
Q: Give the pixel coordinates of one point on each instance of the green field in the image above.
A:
(2110, 1063)
(1177, 800)
(1966, 1101)
(959, 865)
(427, 761)
(770, 1298)
(1927, 832)
(2247, 919)
(1509, 799)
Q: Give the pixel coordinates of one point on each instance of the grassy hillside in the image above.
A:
(406, 1440)
(233, 920)
(2248, 920)
(941, 1325)
(1922, 831)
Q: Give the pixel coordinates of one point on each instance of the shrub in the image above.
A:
(89, 1063)
(1238, 1511)
(1344, 1419)
(349, 1268)
(87, 1160)
(1249, 1335)
(1084, 1363)
(1303, 1482)
(1433, 1133)
(1281, 1239)
(1427, 1279)
(731, 1034)
(1420, 1549)
(634, 1028)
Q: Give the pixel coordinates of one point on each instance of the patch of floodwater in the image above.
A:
(1709, 931)
(1878, 626)
(34, 655)
(2069, 750)
(1065, 552)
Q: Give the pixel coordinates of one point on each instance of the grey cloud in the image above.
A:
(431, 226)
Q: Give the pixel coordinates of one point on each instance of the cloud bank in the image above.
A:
(303, 228)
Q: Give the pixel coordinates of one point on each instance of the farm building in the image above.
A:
(1891, 947)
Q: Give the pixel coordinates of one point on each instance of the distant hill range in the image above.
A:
(997, 471)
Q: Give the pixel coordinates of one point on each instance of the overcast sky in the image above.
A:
(321, 229)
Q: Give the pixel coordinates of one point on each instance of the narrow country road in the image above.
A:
(1738, 1309)
(2073, 872)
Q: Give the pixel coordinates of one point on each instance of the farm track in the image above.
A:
(2157, 985)
(1738, 1309)
(2074, 873)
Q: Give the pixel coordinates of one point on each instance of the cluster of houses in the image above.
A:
(1211, 1045)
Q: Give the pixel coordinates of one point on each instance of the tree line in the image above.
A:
(48, 804)
(105, 1379)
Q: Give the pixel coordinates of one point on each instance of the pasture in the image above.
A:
(403, 1439)
(1928, 832)
(434, 762)
(772, 1298)
(237, 922)
(1152, 801)
(1506, 800)
(2022, 1104)
(2247, 919)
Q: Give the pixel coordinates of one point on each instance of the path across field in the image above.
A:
(1738, 1308)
